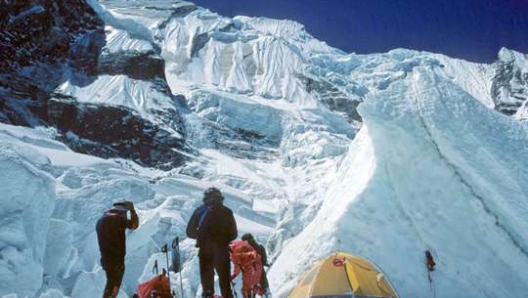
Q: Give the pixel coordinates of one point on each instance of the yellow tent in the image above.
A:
(343, 275)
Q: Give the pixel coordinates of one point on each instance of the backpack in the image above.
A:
(159, 286)
(243, 254)
(201, 231)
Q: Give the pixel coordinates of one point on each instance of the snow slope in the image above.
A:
(432, 168)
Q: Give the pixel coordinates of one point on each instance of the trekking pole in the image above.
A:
(176, 246)
(155, 268)
(165, 249)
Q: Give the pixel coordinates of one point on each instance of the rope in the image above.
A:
(431, 284)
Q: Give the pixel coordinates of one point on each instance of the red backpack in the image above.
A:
(160, 285)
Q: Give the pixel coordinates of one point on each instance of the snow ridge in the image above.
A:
(474, 193)
(405, 163)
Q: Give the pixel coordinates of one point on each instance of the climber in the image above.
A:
(111, 229)
(430, 264)
(263, 284)
(429, 261)
(214, 227)
(246, 259)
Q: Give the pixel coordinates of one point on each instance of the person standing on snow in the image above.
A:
(264, 285)
(111, 236)
(248, 261)
(213, 226)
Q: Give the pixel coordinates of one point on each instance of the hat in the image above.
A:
(213, 193)
(248, 237)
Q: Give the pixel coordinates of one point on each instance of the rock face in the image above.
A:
(136, 65)
(43, 31)
(45, 43)
(41, 41)
(510, 84)
(335, 99)
(108, 131)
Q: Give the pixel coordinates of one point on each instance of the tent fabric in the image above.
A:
(160, 284)
(343, 275)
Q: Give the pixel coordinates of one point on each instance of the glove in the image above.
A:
(130, 205)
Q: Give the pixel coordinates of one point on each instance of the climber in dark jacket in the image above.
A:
(264, 258)
(213, 226)
(111, 229)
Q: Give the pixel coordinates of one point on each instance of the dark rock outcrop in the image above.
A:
(107, 132)
(333, 98)
(40, 40)
(136, 65)
(509, 89)
(198, 42)
(42, 30)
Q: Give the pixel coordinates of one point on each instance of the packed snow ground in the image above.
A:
(433, 167)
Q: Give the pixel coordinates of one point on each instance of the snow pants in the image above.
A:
(114, 276)
(211, 260)
(251, 279)
(264, 285)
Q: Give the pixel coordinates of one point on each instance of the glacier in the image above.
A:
(382, 155)
(28, 196)
(431, 169)
(73, 190)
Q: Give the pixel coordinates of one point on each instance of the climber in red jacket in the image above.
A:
(246, 259)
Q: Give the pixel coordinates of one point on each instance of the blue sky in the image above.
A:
(470, 29)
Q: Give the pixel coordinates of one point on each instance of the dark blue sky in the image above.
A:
(471, 29)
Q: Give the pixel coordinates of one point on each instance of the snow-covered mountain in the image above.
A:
(382, 155)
